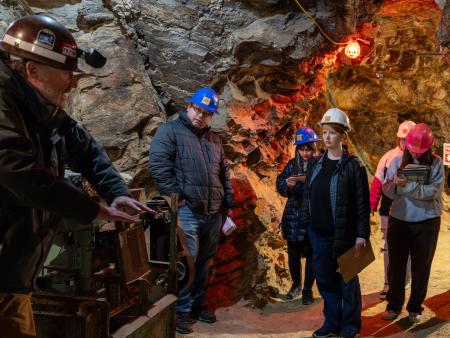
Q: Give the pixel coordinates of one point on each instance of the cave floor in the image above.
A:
(292, 319)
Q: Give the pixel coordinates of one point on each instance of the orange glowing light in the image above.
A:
(353, 50)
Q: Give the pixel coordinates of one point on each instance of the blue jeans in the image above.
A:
(342, 301)
(202, 236)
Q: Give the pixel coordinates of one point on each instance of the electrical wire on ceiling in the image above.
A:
(352, 47)
(318, 26)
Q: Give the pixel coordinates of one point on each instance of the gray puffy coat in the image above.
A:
(190, 162)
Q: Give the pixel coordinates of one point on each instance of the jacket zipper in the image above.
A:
(206, 167)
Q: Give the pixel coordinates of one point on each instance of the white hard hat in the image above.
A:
(404, 128)
(335, 115)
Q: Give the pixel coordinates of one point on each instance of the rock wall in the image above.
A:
(405, 77)
(443, 31)
(274, 72)
(10, 10)
(118, 103)
(189, 43)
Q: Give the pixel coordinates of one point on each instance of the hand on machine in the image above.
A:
(115, 213)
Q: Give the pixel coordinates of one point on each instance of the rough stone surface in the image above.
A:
(188, 44)
(405, 78)
(10, 10)
(117, 103)
(443, 32)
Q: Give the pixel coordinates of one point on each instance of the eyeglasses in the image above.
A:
(201, 111)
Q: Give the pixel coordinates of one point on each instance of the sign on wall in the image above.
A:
(446, 155)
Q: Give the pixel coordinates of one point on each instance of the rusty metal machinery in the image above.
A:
(102, 284)
(159, 225)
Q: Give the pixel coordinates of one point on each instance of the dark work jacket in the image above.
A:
(36, 141)
(290, 226)
(350, 206)
(190, 162)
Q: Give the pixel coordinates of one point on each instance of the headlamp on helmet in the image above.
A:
(93, 57)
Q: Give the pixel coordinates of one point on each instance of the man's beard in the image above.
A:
(58, 98)
(70, 98)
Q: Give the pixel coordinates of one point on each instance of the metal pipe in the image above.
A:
(172, 273)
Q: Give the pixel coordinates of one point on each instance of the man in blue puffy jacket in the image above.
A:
(187, 158)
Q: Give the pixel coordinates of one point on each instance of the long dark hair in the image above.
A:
(425, 159)
(298, 163)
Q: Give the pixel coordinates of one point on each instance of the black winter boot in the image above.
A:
(307, 297)
(202, 314)
(183, 323)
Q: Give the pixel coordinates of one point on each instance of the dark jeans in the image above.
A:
(202, 236)
(297, 250)
(418, 239)
(342, 301)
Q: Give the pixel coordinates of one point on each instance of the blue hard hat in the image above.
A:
(305, 135)
(207, 99)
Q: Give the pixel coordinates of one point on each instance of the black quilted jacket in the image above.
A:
(190, 162)
(349, 196)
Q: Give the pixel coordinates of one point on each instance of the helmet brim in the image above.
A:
(321, 124)
(417, 150)
(310, 141)
(204, 106)
(10, 50)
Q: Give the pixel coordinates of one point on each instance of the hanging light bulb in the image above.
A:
(352, 50)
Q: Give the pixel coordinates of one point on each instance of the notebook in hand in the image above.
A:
(351, 263)
(415, 172)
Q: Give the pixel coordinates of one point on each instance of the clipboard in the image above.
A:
(350, 264)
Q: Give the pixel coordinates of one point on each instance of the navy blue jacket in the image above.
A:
(191, 162)
(290, 220)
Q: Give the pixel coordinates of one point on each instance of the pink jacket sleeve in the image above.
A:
(376, 190)
(375, 193)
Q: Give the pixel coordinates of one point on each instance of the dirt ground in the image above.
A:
(292, 319)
